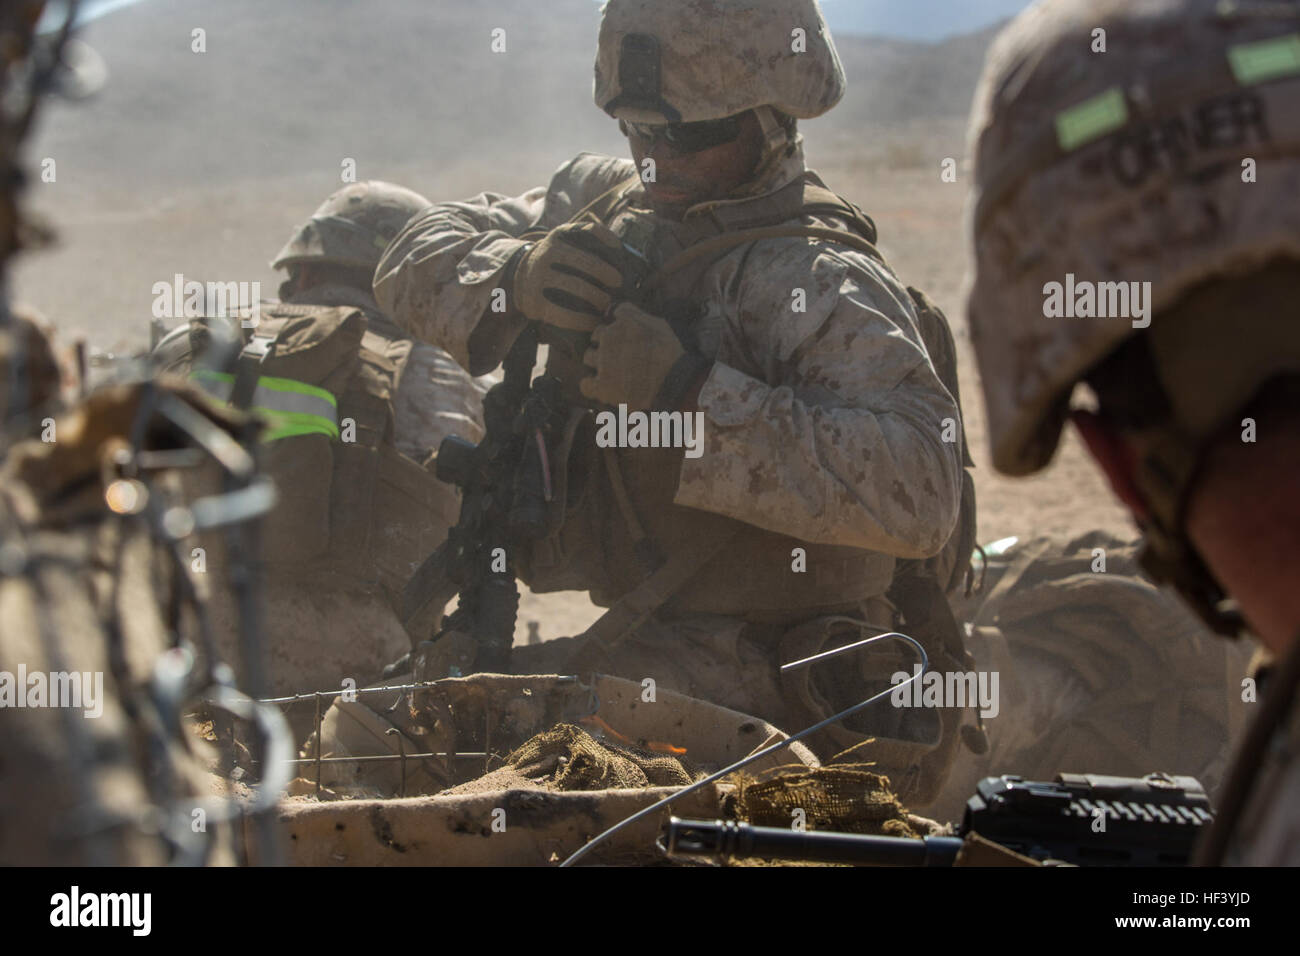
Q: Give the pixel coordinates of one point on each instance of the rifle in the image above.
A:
(505, 487)
(1081, 819)
(505, 484)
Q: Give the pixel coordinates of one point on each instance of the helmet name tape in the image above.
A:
(1266, 60)
(1194, 138)
(1091, 119)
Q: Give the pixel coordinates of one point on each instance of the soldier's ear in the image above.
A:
(1116, 457)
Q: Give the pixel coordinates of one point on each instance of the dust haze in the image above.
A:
(203, 163)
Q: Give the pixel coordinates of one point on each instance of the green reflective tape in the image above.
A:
(1265, 60)
(292, 408)
(1091, 119)
(215, 383)
(291, 424)
(299, 396)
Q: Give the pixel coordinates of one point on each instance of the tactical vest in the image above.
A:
(619, 522)
(352, 511)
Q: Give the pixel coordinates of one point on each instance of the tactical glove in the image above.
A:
(639, 361)
(567, 280)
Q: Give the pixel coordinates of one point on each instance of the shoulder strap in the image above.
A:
(729, 226)
(635, 608)
(936, 333)
(800, 199)
(738, 225)
(248, 369)
(716, 245)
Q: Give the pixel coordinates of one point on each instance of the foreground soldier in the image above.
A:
(356, 513)
(1173, 160)
(101, 643)
(830, 460)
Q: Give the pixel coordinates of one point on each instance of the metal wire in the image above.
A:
(593, 706)
(746, 761)
(309, 695)
(380, 758)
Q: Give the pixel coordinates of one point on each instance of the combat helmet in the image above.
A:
(353, 227)
(1124, 142)
(691, 61)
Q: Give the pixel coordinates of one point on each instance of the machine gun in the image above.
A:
(1081, 819)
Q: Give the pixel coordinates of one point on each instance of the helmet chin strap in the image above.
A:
(1165, 476)
(777, 144)
(774, 133)
(775, 136)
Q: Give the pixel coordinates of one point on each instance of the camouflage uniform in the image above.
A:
(435, 398)
(822, 425)
(353, 521)
(1171, 158)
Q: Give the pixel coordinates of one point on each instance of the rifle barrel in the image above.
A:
(727, 838)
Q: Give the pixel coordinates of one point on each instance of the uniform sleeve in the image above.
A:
(438, 277)
(442, 273)
(839, 432)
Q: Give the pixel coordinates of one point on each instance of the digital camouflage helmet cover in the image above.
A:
(353, 227)
(690, 61)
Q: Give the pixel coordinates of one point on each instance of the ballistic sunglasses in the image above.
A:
(686, 137)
